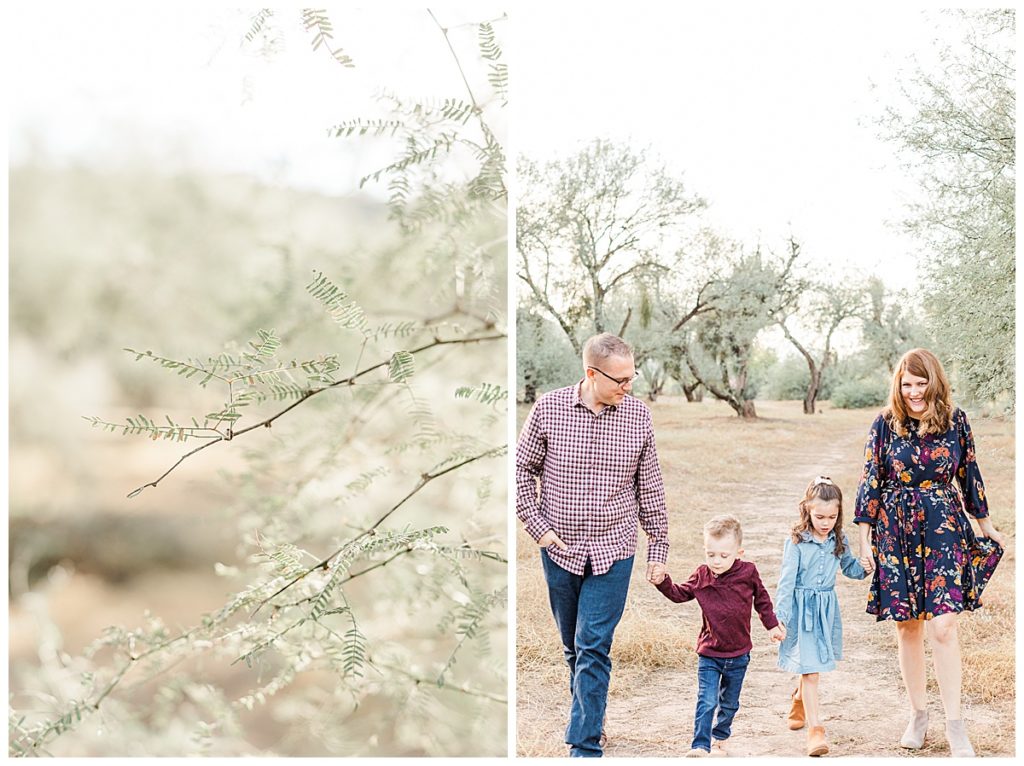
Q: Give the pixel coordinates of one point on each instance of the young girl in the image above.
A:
(806, 602)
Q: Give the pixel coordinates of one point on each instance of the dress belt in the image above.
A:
(814, 610)
(890, 486)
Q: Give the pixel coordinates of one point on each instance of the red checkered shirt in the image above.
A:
(599, 476)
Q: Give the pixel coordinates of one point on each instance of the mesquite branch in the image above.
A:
(425, 479)
(349, 381)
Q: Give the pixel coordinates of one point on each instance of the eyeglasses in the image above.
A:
(620, 382)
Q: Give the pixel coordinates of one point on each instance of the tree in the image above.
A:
(544, 359)
(830, 305)
(746, 301)
(889, 327)
(957, 128)
(592, 225)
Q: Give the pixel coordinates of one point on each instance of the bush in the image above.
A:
(788, 380)
(861, 392)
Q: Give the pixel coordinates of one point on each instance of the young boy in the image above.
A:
(725, 588)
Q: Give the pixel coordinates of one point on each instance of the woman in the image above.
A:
(920, 475)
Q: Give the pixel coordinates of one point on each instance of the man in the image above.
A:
(592, 447)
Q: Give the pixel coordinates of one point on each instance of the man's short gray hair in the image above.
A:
(600, 347)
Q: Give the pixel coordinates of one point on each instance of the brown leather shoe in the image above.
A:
(796, 718)
(816, 744)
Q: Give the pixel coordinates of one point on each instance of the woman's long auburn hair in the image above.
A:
(937, 396)
(825, 490)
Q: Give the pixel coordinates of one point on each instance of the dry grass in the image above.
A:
(713, 463)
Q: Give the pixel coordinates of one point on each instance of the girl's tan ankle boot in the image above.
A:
(816, 742)
(796, 718)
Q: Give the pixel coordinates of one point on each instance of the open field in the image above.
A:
(714, 463)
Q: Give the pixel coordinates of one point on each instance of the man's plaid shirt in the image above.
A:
(599, 475)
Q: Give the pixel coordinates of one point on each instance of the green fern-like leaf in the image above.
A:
(364, 481)
(360, 127)
(486, 393)
(141, 425)
(415, 154)
(285, 391)
(342, 58)
(258, 22)
(457, 111)
(489, 47)
(287, 560)
(188, 369)
(497, 76)
(316, 22)
(401, 366)
(345, 313)
(354, 649)
(395, 330)
(323, 599)
(264, 347)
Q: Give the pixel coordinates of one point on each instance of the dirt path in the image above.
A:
(650, 711)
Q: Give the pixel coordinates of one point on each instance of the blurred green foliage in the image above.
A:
(360, 542)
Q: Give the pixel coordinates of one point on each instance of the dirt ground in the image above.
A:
(714, 463)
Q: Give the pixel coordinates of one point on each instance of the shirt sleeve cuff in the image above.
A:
(657, 552)
(537, 527)
(864, 520)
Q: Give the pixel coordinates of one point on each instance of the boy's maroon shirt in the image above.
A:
(725, 603)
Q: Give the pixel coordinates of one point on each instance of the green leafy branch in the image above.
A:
(316, 22)
(468, 619)
(333, 559)
(30, 740)
(485, 393)
(449, 687)
(398, 364)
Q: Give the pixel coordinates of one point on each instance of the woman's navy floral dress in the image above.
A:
(914, 491)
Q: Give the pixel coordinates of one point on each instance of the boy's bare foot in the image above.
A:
(696, 753)
(718, 748)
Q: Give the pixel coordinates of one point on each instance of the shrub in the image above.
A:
(861, 392)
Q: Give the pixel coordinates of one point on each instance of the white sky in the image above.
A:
(176, 82)
(767, 109)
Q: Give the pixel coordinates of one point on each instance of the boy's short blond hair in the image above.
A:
(723, 525)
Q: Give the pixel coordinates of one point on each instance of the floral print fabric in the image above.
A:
(914, 492)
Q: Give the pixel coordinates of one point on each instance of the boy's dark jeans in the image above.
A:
(719, 680)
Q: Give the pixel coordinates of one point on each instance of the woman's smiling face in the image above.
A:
(913, 390)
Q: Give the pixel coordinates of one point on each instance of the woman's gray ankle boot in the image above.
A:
(913, 737)
(959, 744)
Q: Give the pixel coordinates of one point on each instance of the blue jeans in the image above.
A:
(587, 608)
(719, 680)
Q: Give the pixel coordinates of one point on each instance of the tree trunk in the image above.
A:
(811, 397)
(725, 393)
(693, 393)
(655, 389)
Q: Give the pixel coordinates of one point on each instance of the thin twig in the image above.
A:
(455, 56)
(449, 687)
(325, 563)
